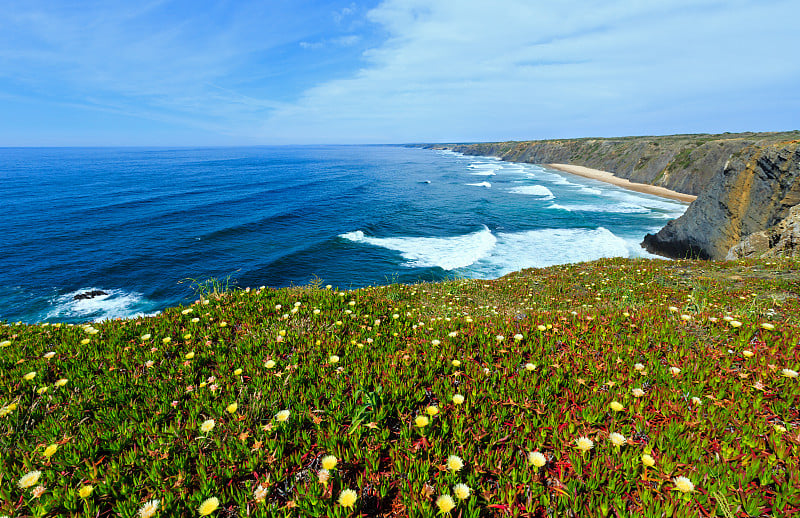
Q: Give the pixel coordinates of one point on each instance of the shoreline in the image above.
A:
(605, 176)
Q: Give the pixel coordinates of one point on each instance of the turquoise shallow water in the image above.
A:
(136, 223)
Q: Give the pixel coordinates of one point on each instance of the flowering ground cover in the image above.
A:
(612, 388)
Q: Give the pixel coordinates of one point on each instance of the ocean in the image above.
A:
(145, 225)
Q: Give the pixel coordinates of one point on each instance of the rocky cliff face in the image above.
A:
(755, 190)
(781, 240)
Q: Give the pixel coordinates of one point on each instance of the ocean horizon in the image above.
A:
(142, 224)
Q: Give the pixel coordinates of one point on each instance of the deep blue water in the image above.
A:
(138, 222)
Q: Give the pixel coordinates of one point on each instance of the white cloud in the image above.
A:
(476, 70)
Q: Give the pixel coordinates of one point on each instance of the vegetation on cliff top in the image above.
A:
(612, 388)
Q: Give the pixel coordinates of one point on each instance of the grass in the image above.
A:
(539, 357)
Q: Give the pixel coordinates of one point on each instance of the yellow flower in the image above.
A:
(49, 354)
(537, 459)
(5, 343)
(458, 399)
(166, 340)
(333, 359)
(207, 425)
(518, 337)
(282, 416)
(462, 491)
(617, 439)
(767, 326)
(29, 479)
(187, 336)
(329, 462)
(445, 503)
(237, 372)
(432, 410)
(584, 444)
(747, 353)
(683, 484)
(616, 406)
(540, 327)
(232, 407)
(530, 366)
(148, 509)
(347, 498)
(189, 355)
(61, 382)
(456, 363)
(85, 491)
(733, 323)
(50, 450)
(29, 376)
(648, 461)
(421, 421)
(270, 364)
(186, 311)
(454, 463)
(41, 390)
(208, 506)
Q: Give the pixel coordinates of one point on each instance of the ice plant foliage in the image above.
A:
(587, 397)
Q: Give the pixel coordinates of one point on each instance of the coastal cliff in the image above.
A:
(755, 191)
(745, 183)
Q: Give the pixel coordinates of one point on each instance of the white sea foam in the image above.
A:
(618, 208)
(546, 247)
(447, 253)
(558, 207)
(485, 168)
(533, 190)
(591, 190)
(481, 184)
(116, 304)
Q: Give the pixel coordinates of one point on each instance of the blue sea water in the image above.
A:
(138, 222)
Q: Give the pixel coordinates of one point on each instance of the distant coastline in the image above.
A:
(605, 176)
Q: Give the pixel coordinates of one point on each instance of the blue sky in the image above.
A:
(203, 72)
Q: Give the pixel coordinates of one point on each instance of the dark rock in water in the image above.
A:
(756, 190)
(89, 295)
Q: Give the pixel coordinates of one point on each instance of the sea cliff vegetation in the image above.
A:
(612, 388)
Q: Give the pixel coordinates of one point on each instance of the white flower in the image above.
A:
(530, 366)
(29, 479)
(282, 416)
(462, 491)
(207, 425)
(639, 367)
(537, 459)
(675, 371)
(637, 392)
(260, 493)
(458, 399)
(617, 439)
(789, 373)
(584, 444)
(454, 463)
(683, 484)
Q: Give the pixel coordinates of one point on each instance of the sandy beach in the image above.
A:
(605, 176)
